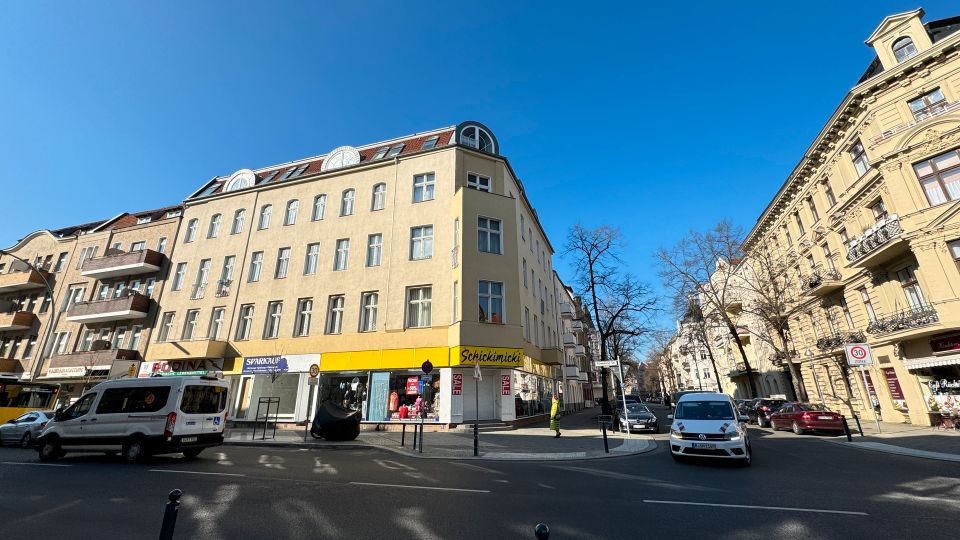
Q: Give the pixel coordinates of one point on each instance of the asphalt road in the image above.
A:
(798, 487)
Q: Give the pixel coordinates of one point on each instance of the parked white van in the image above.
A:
(140, 417)
(708, 424)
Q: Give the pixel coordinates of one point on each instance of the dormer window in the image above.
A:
(904, 49)
(476, 137)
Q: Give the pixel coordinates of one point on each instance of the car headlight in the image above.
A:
(675, 433)
(732, 435)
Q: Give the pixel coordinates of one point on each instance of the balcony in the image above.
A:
(11, 366)
(878, 244)
(566, 310)
(909, 319)
(576, 326)
(738, 370)
(838, 340)
(102, 359)
(779, 359)
(580, 350)
(932, 111)
(822, 281)
(734, 303)
(571, 372)
(145, 261)
(223, 288)
(20, 281)
(583, 377)
(569, 340)
(18, 320)
(132, 306)
(189, 350)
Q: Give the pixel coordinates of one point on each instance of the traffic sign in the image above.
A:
(605, 363)
(427, 367)
(313, 381)
(314, 371)
(858, 354)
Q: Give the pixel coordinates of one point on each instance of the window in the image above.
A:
(203, 399)
(216, 322)
(395, 149)
(844, 237)
(421, 242)
(283, 263)
(813, 209)
(256, 262)
(418, 307)
(828, 191)
(290, 216)
(954, 247)
(245, 321)
(88, 252)
(45, 305)
(203, 274)
(828, 255)
(859, 158)
(145, 219)
(286, 174)
(80, 408)
(310, 261)
(341, 254)
(319, 207)
(174, 213)
(846, 313)
(456, 301)
(28, 349)
(904, 49)
(138, 246)
(940, 177)
(162, 244)
(134, 399)
(524, 272)
(879, 210)
(475, 137)
(423, 187)
(214, 229)
(299, 171)
(522, 226)
(811, 263)
(178, 276)
(335, 314)
(379, 201)
(928, 104)
(374, 249)
(911, 288)
(86, 343)
(301, 326)
(191, 233)
(166, 326)
(380, 153)
(796, 218)
(238, 218)
(478, 182)
(526, 323)
(62, 261)
(429, 143)
(867, 304)
(346, 202)
(488, 235)
(536, 334)
(135, 337)
(265, 212)
(271, 327)
(491, 302)
(368, 311)
(190, 324)
(786, 235)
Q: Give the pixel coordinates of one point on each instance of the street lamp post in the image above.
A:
(54, 318)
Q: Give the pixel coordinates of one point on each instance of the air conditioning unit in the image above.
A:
(100, 345)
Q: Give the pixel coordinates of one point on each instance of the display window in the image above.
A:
(532, 395)
(404, 395)
(941, 388)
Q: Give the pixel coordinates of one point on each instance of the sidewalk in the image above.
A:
(905, 440)
(581, 439)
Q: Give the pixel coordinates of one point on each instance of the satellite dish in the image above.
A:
(341, 157)
(243, 178)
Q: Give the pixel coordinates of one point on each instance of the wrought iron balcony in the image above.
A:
(822, 281)
(836, 341)
(866, 250)
(223, 287)
(904, 320)
(779, 358)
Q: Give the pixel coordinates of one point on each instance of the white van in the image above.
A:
(140, 417)
(708, 424)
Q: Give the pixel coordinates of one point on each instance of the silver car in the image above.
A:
(25, 429)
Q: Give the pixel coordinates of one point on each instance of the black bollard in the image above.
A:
(170, 515)
(403, 434)
(476, 440)
(541, 531)
(846, 428)
(859, 427)
(414, 437)
(420, 449)
(606, 445)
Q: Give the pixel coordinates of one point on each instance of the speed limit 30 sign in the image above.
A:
(858, 354)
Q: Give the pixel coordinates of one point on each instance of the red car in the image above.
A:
(801, 417)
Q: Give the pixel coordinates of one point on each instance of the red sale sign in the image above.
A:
(458, 384)
(505, 385)
(413, 386)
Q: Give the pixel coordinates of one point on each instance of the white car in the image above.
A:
(707, 424)
(140, 417)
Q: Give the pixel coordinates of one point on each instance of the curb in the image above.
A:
(649, 446)
(896, 450)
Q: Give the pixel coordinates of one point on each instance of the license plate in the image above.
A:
(704, 445)
(188, 439)
(825, 418)
(639, 425)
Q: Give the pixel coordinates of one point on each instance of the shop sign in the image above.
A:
(505, 385)
(379, 395)
(943, 385)
(488, 356)
(74, 371)
(413, 385)
(458, 384)
(180, 368)
(945, 344)
(280, 363)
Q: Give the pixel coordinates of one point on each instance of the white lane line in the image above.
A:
(196, 472)
(33, 464)
(421, 487)
(788, 509)
(475, 467)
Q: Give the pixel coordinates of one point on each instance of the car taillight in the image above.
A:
(764, 408)
(171, 421)
(806, 416)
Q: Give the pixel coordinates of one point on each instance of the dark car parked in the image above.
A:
(803, 417)
(761, 409)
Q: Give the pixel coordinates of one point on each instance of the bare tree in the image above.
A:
(620, 305)
(704, 266)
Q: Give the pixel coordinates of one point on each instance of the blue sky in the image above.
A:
(641, 116)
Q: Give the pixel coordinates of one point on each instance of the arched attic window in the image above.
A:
(904, 49)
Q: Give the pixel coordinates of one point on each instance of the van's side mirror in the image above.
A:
(669, 417)
(11, 421)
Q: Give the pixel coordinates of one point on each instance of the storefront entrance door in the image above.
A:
(489, 389)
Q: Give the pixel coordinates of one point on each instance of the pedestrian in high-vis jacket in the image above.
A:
(555, 415)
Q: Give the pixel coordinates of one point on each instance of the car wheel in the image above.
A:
(796, 428)
(49, 450)
(746, 461)
(27, 440)
(133, 451)
(192, 453)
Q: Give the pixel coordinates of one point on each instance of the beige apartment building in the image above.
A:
(367, 262)
(869, 223)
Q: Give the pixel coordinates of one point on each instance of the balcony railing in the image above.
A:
(101, 359)
(780, 358)
(566, 310)
(569, 340)
(819, 275)
(17, 320)
(838, 340)
(223, 287)
(455, 255)
(922, 116)
(904, 320)
(874, 238)
(580, 350)
(143, 261)
(132, 306)
(576, 326)
(198, 291)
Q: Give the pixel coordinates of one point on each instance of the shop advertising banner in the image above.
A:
(180, 368)
(458, 384)
(896, 393)
(279, 363)
(379, 394)
(505, 385)
(486, 356)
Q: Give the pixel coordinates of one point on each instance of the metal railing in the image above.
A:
(838, 340)
(819, 275)
(455, 255)
(223, 287)
(923, 115)
(874, 237)
(904, 320)
(198, 291)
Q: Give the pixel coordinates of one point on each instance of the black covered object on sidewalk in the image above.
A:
(335, 423)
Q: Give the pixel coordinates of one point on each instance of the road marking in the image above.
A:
(421, 487)
(788, 509)
(196, 472)
(33, 464)
(546, 486)
(475, 467)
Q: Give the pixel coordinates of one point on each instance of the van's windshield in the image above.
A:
(203, 399)
(704, 410)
